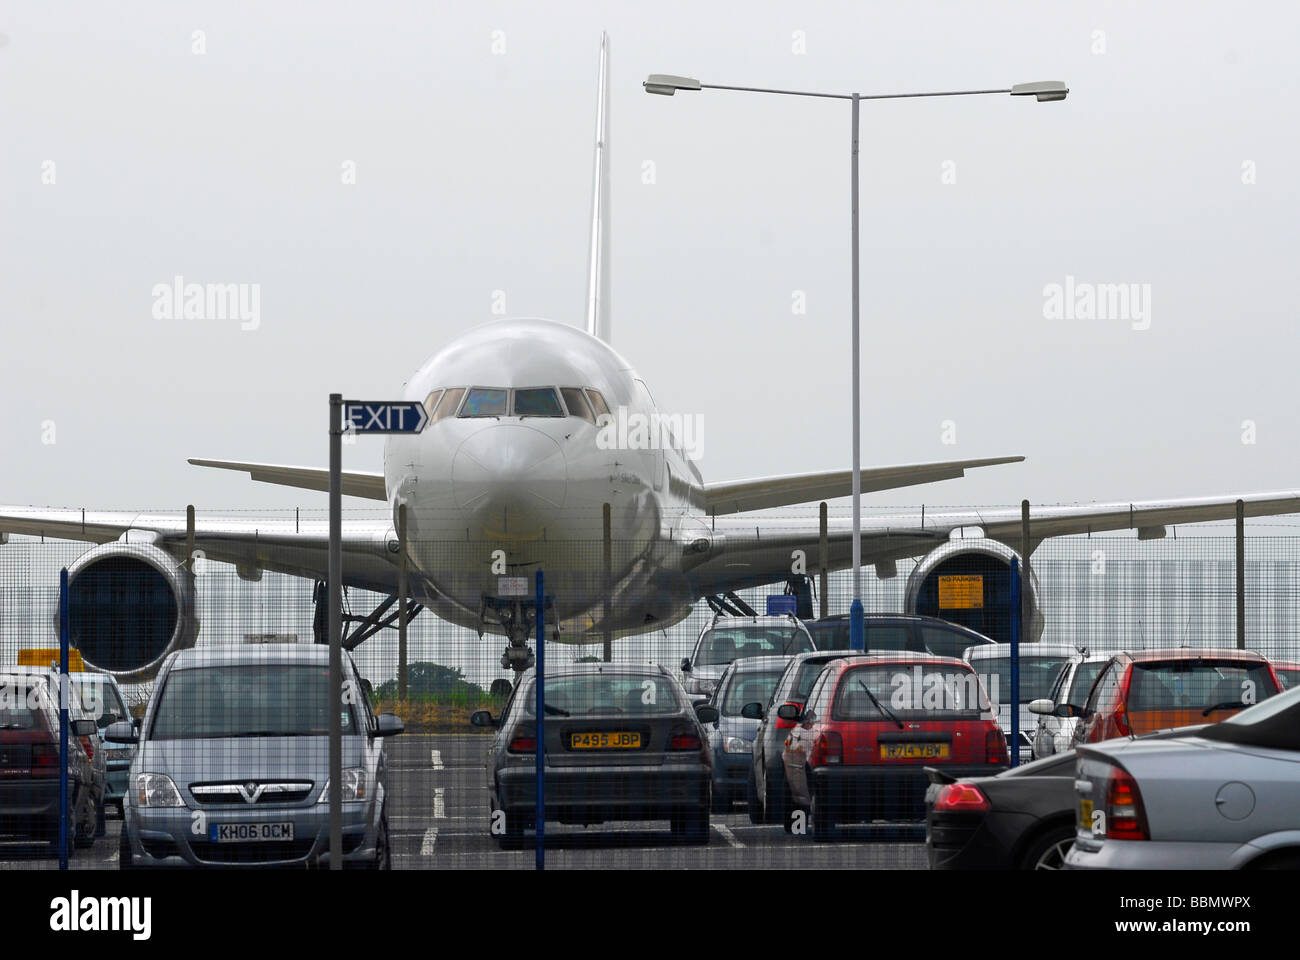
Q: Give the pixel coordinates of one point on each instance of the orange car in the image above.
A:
(1147, 690)
(1288, 671)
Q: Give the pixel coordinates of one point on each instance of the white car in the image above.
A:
(1040, 663)
(1053, 734)
(734, 638)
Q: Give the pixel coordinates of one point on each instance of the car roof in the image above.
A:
(905, 618)
(1193, 653)
(993, 650)
(750, 664)
(234, 654)
(903, 656)
(582, 669)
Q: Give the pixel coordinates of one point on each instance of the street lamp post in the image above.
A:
(1045, 90)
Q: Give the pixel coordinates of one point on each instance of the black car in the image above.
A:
(622, 742)
(897, 631)
(767, 794)
(1021, 819)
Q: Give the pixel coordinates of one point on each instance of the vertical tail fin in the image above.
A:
(598, 317)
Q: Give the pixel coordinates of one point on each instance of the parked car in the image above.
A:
(240, 733)
(102, 698)
(769, 795)
(622, 742)
(1020, 819)
(1288, 672)
(1147, 690)
(1040, 664)
(897, 631)
(91, 742)
(731, 736)
(29, 765)
(1054, 726)
(1215, 797)
(732, 638)
(872, 724)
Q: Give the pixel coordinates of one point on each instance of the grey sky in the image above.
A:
(473, 173)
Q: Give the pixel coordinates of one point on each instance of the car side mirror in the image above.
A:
(483, 718)
(124, 731)
(1043, 707)
(686, 664)
(752, 711)
(789, 711)
(84, 728)
(388, 725)
(1064, 710)
(707, 714)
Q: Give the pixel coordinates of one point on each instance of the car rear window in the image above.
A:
(809, 671)
(19, 705)
(587, 695)
(1290, 676)
(907, 690)
(1195, 683)
(1036, 676)
(750, 686)
(246, 700)
(724, 644)
(100, 700)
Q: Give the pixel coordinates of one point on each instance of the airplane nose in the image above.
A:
(510, 480)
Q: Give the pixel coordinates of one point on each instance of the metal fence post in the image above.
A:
(63, 719)
(1241, 575)
(540, 710)
(402, 591)
(334, 597)
(823, 546)
(607, 547)
(1014, 747)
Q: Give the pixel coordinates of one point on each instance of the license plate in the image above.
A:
(249, 832)
(617, 740)
(1085, 814)
(914, 751)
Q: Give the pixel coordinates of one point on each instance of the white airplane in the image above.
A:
(510, 476)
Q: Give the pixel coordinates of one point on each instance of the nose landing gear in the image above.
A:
(517, 618)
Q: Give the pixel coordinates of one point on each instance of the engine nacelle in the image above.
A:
(973, 576)
(129, 605)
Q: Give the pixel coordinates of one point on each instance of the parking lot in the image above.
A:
(438, 820)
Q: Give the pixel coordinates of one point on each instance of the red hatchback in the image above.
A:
(870, 727)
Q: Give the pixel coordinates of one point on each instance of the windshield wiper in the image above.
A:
(880, 706)
(1225, 705)
(555, 711)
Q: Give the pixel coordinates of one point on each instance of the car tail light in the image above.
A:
(1121, 720)
(786, 724)
(524, 739)
(1125, 817)
(89, 746)
(828, 750)
(45, 758)
(961, 797)
(685, 740)
(995, 747)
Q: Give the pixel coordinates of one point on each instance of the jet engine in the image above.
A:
(129, 605)
(968, 581)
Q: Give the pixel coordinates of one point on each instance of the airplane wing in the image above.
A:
(283, 546)
(753, 551)
(739, 496)
(354, 483)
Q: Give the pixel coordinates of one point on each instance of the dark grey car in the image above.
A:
(232, 767)
(622, 742)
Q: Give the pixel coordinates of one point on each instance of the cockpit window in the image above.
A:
(431, 402)
(577, 404)
(598, 403)
(485, 402)
(447, 405)
(537, 402)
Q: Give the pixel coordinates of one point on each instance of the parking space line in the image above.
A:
(435, 756)
(439, 806)
(430, 838)
(725, 832)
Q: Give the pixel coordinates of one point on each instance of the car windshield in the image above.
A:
(749, 686)
(601, 694)
(1036, 676)
(946, 692)
(1190, 683)
(724, 644)
(246, 700)
(101, 700)
(1084, 675)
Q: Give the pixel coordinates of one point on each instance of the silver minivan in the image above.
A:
(729, 638)
(232, 762)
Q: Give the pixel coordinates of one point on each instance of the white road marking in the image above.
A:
(436, 757)
(430, 838)
(725, 832)
(439, 807)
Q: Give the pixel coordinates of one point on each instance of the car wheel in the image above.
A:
(101, 817)
(512, 837)
(84, 834)
(383, 852)
(124, 859)
(691, 826)
(120, 807)
(821, 817)
(721, 802)
(753, 805)
(1049, 850)
(776, 802)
